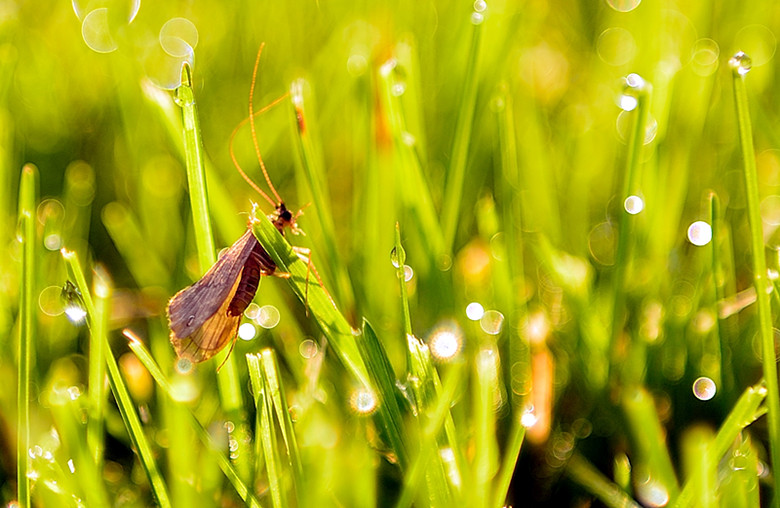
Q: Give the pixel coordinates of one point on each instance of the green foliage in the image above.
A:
(447, 157)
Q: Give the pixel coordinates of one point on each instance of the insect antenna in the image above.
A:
(252, 125)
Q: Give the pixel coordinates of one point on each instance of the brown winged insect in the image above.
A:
(205, 316)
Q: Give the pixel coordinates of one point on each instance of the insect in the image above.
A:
(205, 316)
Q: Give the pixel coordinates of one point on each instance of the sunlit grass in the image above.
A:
(539, 264)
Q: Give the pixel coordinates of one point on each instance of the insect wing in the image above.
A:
(198, 315)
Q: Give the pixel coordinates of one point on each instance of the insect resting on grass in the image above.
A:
(205, 316)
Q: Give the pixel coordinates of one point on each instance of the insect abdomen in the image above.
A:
(257, 264)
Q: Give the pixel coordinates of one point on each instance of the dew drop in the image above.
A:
(699, 233)
(75, 313)
(408, 273)
(96, 33)
(528, 419)
(633, 205)
(477, 18)
(740, 63)
(704, 388)
(628, 102)
(247, 331)
(480, 6)
(398, 257)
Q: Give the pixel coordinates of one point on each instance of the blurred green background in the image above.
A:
(523, 101)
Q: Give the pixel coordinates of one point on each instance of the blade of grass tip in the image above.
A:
(428, 443)
(581, 471)
(744, 412)
(266, 431)
(410, 183)
(98, 339)
(227, 377)
(649, 443)
(640, 90)
(224, 463)
(340, 335)
(383, 382)
(124, 401)
(740, 65)
(28, 200)
(453, 191)
(273, 382)
(311, 161)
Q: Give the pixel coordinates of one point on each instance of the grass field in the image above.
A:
(544, 253)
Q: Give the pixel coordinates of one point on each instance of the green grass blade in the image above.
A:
(310, 158)
(739, 488)
(98, 340)
(275, 388)
(581, 471)
(227, 377)
(649, 443)
(266, 432)
(411, 185)
(224, 463)
(744, 412)
(740, 65)
(383, 381)
(437, 419)
(28, 202)
(122, 396)
(333, 324)
(453, 192)
(626, 221)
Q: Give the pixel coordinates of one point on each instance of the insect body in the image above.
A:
(204, 317)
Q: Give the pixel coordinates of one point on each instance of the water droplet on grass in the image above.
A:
(740, 63)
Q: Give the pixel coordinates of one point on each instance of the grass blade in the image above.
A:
(266, 432)
(332, 323)
(224, 464)
(122, 396)
(28, 202)
(583, 472)
(453, 192)
(227, 377)
(740, 65)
